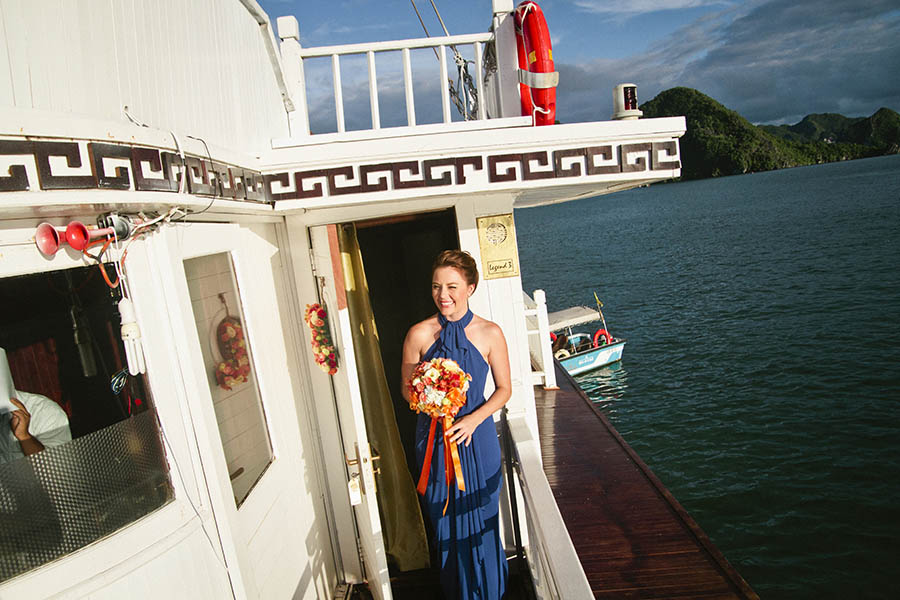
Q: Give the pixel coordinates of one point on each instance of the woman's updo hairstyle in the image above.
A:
(461, 261)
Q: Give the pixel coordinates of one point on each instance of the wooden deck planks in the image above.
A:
(633, 538)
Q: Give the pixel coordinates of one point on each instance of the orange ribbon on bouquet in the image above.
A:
(451, 456)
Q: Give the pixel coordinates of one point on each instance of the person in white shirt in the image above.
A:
(37, 423)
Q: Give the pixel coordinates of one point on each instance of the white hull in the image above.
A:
(594, 358)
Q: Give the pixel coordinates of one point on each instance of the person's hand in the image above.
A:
(19, 420)
(462, 429)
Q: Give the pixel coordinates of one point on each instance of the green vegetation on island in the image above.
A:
(719, 141)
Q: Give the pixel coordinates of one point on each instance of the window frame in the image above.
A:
(145, 539)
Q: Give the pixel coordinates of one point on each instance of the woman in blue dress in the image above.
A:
(467, 536)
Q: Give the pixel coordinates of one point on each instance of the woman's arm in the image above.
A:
(412, 354)
(498, 359)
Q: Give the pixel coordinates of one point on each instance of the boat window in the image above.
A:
(228, 360)
(92, 460)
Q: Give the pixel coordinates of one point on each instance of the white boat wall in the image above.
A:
(196, 112)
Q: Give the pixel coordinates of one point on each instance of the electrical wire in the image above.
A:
(99, 259)
(209, 156)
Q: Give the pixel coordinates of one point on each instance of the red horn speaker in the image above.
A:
(47, 239)
(79, 236)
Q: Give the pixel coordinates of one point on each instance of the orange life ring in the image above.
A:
(605, 334)
(552, 337)
(537, 79)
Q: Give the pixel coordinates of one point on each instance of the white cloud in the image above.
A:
(770, 62)
(638, 7)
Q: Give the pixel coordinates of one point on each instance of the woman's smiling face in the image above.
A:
(450, 292)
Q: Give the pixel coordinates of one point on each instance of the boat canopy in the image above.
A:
(571, 317)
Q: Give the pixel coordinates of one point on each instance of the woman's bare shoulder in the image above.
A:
(423, 333)
(486, 330)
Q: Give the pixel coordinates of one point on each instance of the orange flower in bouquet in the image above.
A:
(438, 389)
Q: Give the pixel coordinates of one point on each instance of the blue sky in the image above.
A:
(772, 61)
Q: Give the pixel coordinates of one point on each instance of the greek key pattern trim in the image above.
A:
(125, 167)
(458, 171)
(140, 168)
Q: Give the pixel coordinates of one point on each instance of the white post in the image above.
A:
(373, 91)
(507, 59)
(408, 86)
(540, 299)
(338, 93)
(292, 64)
(445, 92)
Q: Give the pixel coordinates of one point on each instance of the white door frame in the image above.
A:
(350, 427)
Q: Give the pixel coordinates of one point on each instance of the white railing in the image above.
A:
(556, 570)
(540, 347)
(293, 56)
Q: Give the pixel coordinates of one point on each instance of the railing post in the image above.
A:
(408, 87)
(445, 91)
(292, 65)
(540, 299)
(338, 92)
(373, 91)
(507, 59)
(510, 452)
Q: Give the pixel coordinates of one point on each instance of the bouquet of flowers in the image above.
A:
(323, 349)
(438, 389)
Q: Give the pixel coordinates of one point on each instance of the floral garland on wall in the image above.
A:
(235, 366)
(323, 350)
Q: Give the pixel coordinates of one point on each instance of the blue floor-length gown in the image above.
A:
(467, 538)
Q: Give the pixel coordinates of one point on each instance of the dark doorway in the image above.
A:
(397, 254)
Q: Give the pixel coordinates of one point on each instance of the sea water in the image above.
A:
(761, 379)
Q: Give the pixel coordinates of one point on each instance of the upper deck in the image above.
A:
(131, 127)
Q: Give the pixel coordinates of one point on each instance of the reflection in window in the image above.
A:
(89, 460)
(229, 366)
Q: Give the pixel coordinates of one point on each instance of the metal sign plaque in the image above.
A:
(497, 240)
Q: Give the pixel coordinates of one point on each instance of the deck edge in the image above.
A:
(720, 562)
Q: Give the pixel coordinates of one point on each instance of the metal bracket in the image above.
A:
(539, 81)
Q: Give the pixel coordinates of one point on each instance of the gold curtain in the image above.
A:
(398, 504)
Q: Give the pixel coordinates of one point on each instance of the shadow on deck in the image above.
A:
(424, 584)
(633, 538)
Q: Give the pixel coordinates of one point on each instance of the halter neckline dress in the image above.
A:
(467, 538)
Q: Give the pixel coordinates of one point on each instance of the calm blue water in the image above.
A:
(761, 380)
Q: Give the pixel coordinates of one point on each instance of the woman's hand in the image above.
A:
(462, 429)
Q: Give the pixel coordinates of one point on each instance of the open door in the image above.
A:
(348, 399)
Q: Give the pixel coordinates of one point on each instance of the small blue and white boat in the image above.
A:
(581, 352)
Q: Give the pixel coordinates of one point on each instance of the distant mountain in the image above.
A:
(719, 141)
(881, 130)
(825, 127)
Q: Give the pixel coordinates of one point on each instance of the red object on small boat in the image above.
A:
(606, 336)
(535, 56)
